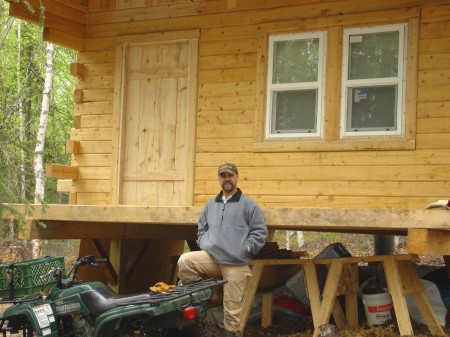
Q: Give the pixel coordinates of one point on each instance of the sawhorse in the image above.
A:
(342, 279)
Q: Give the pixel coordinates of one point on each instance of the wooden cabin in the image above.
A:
(336, 112)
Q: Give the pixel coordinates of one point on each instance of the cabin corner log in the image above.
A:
(61, 171)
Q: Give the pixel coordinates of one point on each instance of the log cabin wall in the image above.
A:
(389, 172)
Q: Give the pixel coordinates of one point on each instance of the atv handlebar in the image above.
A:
(63, 281)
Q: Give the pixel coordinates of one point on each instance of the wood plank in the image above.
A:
(429, 242)
(53, 18)
(250, 159)
(96, 121)
(267, 310)
(333, 84)
(95, 147)
(77, 69)
(398, 299)
(359, 202)
(321, 219)
(61, 171)
(435, 29)
(250, 291)
(433, 109)
(225, 145)
(62, 38)
(212, 130)
(92, 198)
(433, 77)
(329, 294)
(434, 93)
(94, 173)
(72, 146)
(434, 61)
(218, 117)
(102, 82)
(229, 60)
(98, 95)
(95, 108)
(227, 75)
(244, 88)
(362, 144)
(351, 173)
(240, 22)
(316, 188)
(96, 186)
(91, 160)
(433, 125)
(243, 47)
(435, 45)
(91, 134)
(151, 12)
(61, 8)
(99, 68)
(96, 57)
(411, 86)
(226, 103)
(433, 141)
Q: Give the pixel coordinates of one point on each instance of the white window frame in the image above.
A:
(317, 85)
(400, 81)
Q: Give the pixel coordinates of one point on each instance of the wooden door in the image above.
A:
(153, 149)
(155, 165)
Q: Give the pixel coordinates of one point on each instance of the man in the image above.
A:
(231, 228)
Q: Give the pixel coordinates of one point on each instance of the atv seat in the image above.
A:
(103, 299)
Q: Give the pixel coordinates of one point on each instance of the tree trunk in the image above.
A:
(40, 141)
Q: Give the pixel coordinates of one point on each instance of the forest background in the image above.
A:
(36, 116)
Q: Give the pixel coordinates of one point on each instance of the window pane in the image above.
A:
(372, 108)
(296, 61)
(373, 55)
(294, 111)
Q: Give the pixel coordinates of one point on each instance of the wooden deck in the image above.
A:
(428, 231)
(80, 221)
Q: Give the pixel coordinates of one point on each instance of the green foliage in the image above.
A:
(22, 64)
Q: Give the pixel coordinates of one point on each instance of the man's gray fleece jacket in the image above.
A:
(233, 231)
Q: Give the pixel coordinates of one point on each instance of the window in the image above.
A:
(373, 77)
(295, 85)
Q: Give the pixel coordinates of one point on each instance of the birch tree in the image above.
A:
(40, 139)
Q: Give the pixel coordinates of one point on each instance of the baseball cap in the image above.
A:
(228, 167)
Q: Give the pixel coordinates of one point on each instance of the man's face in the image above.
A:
(228, 182)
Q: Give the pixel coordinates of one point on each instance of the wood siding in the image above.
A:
(333, 173)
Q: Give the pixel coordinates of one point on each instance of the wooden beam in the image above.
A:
(109, 272)
(429, 241)
(136, 254)
(77, 69)
(72, 146)
(57, 30)
(81, 5)
(77, 122)
(55, 230)
(61, 171)
(62, 38)
(314, 219)
(78, 96)
(67, 10)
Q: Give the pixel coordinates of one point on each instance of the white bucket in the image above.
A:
(377, 307)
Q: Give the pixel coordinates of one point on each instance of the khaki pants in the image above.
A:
(194, 266)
